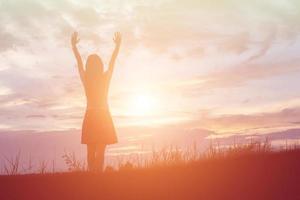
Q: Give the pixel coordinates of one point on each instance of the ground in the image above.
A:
(271, 175)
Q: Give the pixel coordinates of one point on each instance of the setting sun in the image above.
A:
(143, 104)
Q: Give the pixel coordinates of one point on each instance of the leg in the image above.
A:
(99, 160)
(91, 155)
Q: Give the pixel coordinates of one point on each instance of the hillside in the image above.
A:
(270, 175)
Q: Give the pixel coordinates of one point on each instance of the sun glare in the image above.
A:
(143, 104)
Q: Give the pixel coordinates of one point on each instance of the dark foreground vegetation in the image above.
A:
(254, 175)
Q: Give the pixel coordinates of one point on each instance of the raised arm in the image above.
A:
(74, 41)
(117, 39)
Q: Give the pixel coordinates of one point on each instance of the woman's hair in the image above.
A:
(93, 69)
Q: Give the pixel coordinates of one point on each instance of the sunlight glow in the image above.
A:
(143, 104)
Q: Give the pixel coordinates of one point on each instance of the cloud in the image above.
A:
(252, 123)
(265, 46)
(237, 44)
(8, 40)
(276, 138)
(188, 21)
(36, 116)
(237, 76)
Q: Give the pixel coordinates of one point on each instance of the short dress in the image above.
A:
(97, 126)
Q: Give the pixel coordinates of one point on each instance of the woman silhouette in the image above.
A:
(97, 128)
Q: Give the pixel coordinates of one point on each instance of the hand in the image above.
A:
(117, 38)
(74, 39)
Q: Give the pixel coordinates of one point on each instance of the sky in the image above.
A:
(219, 67)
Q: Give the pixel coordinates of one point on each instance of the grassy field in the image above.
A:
(237, 173)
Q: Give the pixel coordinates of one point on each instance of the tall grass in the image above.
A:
(73, 163)
(12, 165)
(168, 156)
(173, 155)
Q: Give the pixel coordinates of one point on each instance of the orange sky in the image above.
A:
(223, 66)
